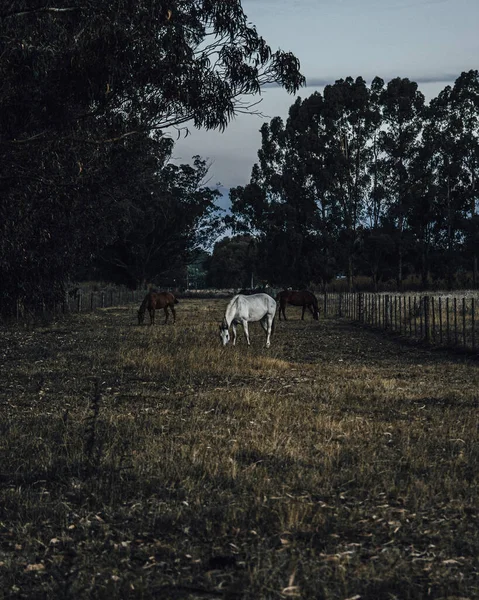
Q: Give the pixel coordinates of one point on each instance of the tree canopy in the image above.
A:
(367, 180)
(89, 90)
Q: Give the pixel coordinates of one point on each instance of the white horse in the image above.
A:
(247, 309)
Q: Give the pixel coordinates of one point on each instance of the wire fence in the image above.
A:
(439, 320)
(449, 321)
(80, 300)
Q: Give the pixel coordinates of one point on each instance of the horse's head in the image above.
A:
(224, 334)
(141, 317)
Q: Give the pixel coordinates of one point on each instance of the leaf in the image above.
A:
(451, 561)
(292, 591)
(35, 567)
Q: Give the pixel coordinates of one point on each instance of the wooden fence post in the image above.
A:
(410, 317)
(426, 318)
(386, 311)
(448, 329)
(395, 313)
(415, 319)
(400, 315)
(473, 324)
(455, 321)
(360, 307)
(440, 319)
(421, 320)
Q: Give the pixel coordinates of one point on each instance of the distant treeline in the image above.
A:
(367, 180)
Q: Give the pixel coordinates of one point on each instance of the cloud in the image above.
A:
(315, 82)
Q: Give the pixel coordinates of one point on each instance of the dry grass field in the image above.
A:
(140, 462)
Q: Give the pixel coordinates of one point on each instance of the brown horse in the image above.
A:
(298, 298)
(154, 301)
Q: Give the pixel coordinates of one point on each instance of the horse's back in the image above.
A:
(157, 300)
(255, 306)
(297, 297)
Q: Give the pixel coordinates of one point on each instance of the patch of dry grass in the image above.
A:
(146, 462)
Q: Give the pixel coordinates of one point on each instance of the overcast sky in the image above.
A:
(428, 41)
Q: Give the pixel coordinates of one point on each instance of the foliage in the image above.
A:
(367, 180)
(232, 262)
(171, 218)
(88, 93)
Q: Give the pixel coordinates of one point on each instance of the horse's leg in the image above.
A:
(166, 314)
(282, 308)
(152, 315)
(173, 312)
(233, 327)
(310, 306)
(269, 321)
(246, 332)
(302, 315)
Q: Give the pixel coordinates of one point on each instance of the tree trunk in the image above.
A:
(424, 268)
(400, 266)
(350, 272)
(474, 270)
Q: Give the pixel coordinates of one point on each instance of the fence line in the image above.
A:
(422, 317)
(83, 301)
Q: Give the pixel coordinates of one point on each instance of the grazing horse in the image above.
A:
(298, 298)
(157, 300)
(246, 309)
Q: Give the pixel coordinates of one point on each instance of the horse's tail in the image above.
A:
(142, 309)
(315, 307)
(144, 303)
(176, 300)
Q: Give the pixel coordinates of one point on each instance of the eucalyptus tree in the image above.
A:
(81, 80)
(421, 215)
(171, 219)
(464, 106)
(280, 205)
(232, 262)
(308, 191)
(402, 108)
(352, 120)
(452, 135)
